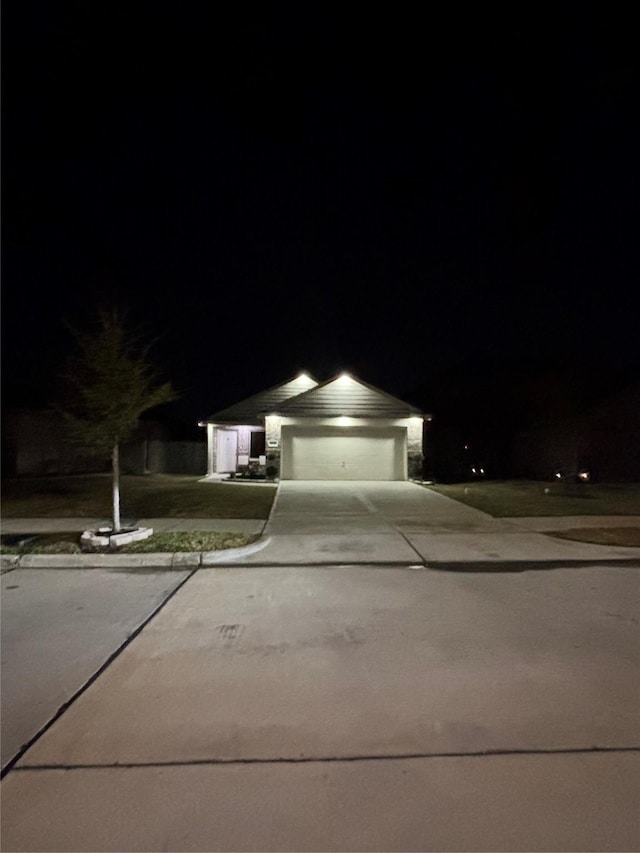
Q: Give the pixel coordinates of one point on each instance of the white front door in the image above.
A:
(227, 450)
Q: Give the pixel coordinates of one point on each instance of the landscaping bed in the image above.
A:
(169, 542)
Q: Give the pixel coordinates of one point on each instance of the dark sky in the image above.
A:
(279, 187)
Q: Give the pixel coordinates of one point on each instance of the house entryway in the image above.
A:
(227, 455)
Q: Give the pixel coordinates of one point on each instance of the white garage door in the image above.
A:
(348, 454)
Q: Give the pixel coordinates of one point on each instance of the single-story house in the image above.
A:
(341, 429)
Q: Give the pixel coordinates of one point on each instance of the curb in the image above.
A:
(154, 559)
(212, 558)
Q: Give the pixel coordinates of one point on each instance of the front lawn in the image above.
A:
(151, 496)
(521, 498)
(623, 537)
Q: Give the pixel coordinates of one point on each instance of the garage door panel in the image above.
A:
(354, 454)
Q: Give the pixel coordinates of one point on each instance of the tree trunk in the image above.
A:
(115, 464)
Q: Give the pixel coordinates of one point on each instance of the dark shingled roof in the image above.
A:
(248, 411)
(345, 395)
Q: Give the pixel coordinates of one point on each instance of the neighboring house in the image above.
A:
(164, 446)
(341, 429)
(37, 443)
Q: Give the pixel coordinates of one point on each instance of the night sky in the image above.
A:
(420, 200)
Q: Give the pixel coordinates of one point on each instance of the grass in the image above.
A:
(151, 496)
(521, 498)
(69, 543)
(625, 537)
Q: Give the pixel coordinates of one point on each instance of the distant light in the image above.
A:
(585, 476)
(466, 447)
(344, 379)
(201, 424)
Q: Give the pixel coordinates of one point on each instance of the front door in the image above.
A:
(227, 455)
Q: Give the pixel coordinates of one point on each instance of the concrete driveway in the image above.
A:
(398, 523)
(58, 628)
(350, 709)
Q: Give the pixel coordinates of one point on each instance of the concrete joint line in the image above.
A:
(84, 687)
(410, 544)
(372, 509)
(364, 501)
(267, 523)
(331, 759)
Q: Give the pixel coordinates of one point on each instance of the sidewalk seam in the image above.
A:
(327, 759)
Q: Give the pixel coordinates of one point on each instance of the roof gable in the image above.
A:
(345, 395)
(248, 411)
